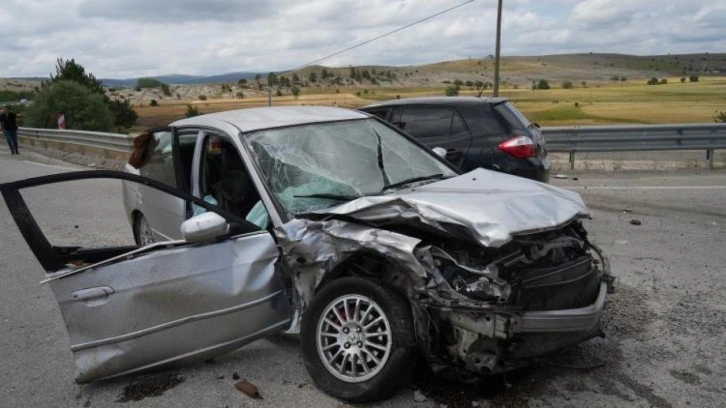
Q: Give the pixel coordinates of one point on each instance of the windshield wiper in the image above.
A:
(337, 197)
(413, 180)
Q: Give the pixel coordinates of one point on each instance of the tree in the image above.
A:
(295, 91)
(153, 102)
(663, 81)
(720, 117)
(165, 90)
(693, 78)
(566, 84)
(240, 95)
(683, 80)
(543, 84)
(149, 83)
(83, 109)
(652, 81)
(313, 77)
(202, 97)
(242, 82)
(272, 79)
(70, 70)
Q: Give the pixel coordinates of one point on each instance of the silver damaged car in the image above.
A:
(330, 224)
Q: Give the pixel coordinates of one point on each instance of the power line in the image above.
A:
(384, 35)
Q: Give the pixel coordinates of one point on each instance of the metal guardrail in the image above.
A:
(113, 142)
(706, 136)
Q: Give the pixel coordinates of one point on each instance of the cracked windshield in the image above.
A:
(321, 165)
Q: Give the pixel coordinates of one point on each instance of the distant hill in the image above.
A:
(515, 70)
(178, 79)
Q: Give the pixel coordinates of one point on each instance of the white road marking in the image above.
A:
(49, 165)
(645, 187)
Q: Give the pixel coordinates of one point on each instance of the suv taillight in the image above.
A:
(521, 147)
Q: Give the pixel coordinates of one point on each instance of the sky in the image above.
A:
(135, 38)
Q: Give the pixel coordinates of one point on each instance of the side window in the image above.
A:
(426, 122)
(226, 183)
(488, 122)
(159, 165)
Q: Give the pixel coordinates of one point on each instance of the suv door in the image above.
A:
(436, 126)
(130, 308)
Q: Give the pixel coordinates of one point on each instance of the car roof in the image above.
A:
(438, 100)
(251, 119)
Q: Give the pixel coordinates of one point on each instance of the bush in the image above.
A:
(192, 111)
(652, 81)
(693, 78)
(566, 85)
(543, 84)
(295, 91)
(83, 109)
(124, 115)
(663, 81)
(452, 90)
(165, 90)
(202, 97)
(153, 103)
(240, 95)
(720, 117)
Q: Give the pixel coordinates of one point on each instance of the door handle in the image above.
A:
(92, 293)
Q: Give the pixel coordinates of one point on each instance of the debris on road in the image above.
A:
(150, 387)
(561, 176)
(249, 389)
(635, 222)
(418, 396)
(235, 376)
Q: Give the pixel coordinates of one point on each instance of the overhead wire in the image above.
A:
(383, 35)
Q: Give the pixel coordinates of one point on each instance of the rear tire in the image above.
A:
(142, 232)
(358, 340)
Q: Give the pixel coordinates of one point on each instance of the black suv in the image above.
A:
(476, 132)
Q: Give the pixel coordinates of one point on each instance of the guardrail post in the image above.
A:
(572, 161)
(709, 159)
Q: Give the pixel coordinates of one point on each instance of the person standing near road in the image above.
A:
(9, 123)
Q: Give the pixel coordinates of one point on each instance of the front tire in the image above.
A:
(358, 340)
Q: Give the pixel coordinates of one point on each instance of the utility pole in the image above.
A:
(269, 95)
(498, 49)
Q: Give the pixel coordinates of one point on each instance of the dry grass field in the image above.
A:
(601, 102)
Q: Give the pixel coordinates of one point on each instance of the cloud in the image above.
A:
(130, 38)
(145, 11)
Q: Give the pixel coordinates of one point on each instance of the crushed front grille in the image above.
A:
(571, 285)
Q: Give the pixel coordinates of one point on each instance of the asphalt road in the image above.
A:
(666, 325)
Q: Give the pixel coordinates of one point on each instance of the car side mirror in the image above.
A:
(204, 228)
(440, 151)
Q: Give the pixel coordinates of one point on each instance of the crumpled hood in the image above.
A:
(491, 206)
